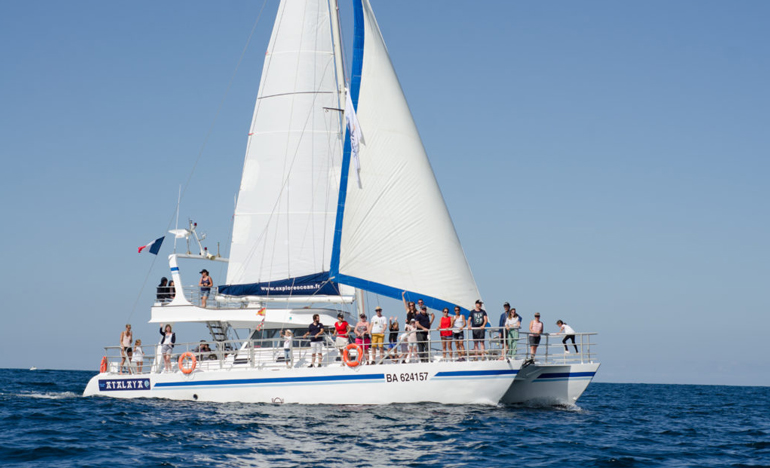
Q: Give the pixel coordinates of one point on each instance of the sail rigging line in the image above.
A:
(200, 154)
(224, 97)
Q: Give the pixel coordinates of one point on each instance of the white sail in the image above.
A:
(396, 229)
(284, 219)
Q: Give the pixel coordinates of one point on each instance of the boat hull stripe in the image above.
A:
(277, 380)
(478, 373)
(565, 375)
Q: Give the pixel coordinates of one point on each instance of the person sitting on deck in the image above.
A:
(162, 294)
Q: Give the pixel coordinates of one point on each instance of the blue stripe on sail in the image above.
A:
(276, 380)
(308, 285)
(355, 87)
(395, 293)
(175, 269)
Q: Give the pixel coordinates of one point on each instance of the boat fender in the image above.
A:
(184, 357)
(103, 366)
(359, 355)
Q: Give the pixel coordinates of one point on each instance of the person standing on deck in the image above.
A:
(205, 283)
(445, 332)
(420, 305)
(377, 328)
(501, 330)
(458, 325)
(126, 339)
(341, 329)
(477, 322)
(423, 328)
(362, 337)
(512, 326)
(535, 330)
(167, 340)
(569, 334)
(288, 340)
(316, 331)
(411, 311)
(393, 336)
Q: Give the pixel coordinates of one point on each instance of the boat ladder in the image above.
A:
(219, 331)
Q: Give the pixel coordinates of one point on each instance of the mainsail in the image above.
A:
(394, 233)
(284, 218)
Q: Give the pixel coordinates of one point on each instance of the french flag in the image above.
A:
(154, 246)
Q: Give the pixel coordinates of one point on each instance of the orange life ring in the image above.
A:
(183, 358)
(359, 355)
(103, 367)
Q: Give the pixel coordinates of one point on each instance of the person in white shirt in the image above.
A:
(377, 327)
(138, 359)
(288, 339)
(569, 334)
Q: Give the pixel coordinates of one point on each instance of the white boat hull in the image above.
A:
(441, 382)
(550, 384)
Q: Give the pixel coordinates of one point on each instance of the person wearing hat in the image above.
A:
(535, 330)
(205, 283)
(477, 322)
(342, 333)
(377, 327)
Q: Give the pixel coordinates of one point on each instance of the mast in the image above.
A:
(339, 63)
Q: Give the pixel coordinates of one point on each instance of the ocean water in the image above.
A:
(46, 422)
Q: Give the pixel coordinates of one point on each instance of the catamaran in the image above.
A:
(334, 176)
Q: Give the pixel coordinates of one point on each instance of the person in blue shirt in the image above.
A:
(503, 318)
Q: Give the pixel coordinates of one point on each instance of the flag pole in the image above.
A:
(178, 200)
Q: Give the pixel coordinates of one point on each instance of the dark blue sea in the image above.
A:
(46, 422)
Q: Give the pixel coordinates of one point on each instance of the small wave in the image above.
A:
(49, 395)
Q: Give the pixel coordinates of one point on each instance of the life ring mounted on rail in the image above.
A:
(182, 362)
(103, 366)
(359, 355)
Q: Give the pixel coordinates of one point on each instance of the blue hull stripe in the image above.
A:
(568, 375)
(478, 373)
(278, 380)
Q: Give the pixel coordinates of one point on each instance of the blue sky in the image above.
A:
(605, 163)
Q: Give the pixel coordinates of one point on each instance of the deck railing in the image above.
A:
(269, 353)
